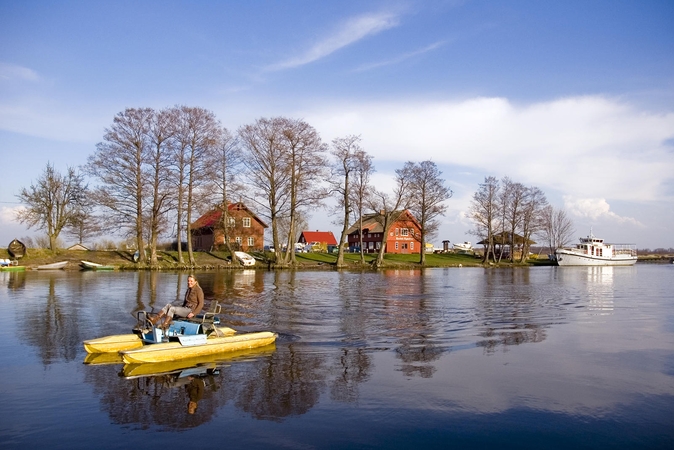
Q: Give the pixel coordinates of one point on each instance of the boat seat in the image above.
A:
(208, 319)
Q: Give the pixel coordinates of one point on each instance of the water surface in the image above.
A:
(552, 357)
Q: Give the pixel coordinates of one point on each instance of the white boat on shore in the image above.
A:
(53, 266)
(592, 251)
(463, 247)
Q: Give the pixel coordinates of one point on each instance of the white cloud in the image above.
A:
(400, 58)
(594, 209)
(11, 72)
(351, 31)
(8, 214)
(581, 146)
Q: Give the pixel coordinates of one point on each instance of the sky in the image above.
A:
(573, 97)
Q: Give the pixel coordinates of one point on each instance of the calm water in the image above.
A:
(524, 358)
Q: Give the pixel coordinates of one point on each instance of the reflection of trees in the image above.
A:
(352, 369)
(411, 322)
(508, 300)
(17, 280)
(288, 383)
(155, 400)
(51, 326)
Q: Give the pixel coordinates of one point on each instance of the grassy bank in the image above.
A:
(168, 260)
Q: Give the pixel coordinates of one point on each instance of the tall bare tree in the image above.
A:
(483, 211)
(557, 228)
(532, 217)
(84, 224)
(53, 202)
(119, 163)
(346, 153)
(389, 206)
(161, 131)
(360, 192)
(511, 197)
(307, 167)
(266, 163)
(427, 193)
(224, 162)
(198, 131)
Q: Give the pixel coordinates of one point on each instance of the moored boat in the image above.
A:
(95, 266)
(53, 266)
(593, 251)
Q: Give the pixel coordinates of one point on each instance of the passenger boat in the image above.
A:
(53, 266)
(185, 338)
(463, 247)
(592, 251)
(88, 265)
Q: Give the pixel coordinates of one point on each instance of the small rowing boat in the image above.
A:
(53, 266)
(88, 265)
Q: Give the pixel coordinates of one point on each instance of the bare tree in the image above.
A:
(360, 192)
(389, 208)
(511, 197)
(346, 152)
(557, 228)
(532, 217)
(306, 170)
(427, 193)
(84, 224)
(266, 163)
(197, 133)
(53, 202)
(483, 212)
(224, 162)
(119, 163)
(161, 130)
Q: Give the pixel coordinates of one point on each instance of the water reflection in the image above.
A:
(353, 344)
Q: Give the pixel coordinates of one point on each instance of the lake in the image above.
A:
(544, 357)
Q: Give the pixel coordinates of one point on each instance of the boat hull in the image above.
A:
(175, 351)
(569, 258)
(13, 268)
(53, 266)
(120, 342)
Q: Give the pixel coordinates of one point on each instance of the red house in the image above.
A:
(403, 237)
(320, 240)
(245, 229)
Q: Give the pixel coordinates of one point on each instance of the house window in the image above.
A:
(378, 245)
(238, 240)
(404, 246)
(231, 221)
(396, 245)
(411, 245)
(251, 241)
(404, 232)
(246, 222)
(397, 231)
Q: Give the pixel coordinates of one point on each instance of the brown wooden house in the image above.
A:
(245, 229)
(403, 237)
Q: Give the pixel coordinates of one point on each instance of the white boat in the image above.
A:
(244, 258)
(53, 266)
(95, 266)
(592, 251)
(464, 247)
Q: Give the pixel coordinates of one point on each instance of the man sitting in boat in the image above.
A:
(194, 302)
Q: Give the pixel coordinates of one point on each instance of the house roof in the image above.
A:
(212, 218)
(319, 236)
(374, 222)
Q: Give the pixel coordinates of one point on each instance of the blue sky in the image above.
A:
(575, 97)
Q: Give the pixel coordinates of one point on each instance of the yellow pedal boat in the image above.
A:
(119, 342)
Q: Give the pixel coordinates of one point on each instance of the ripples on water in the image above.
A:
(551, 357)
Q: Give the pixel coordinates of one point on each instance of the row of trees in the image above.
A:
(509, 214)
(155, 170)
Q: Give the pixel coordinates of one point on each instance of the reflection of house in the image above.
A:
(245, 229)
(403, 237)
(321, 241)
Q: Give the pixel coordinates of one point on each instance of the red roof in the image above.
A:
(212, 218)
(320, 236)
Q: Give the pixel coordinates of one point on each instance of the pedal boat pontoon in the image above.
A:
(182, 339)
